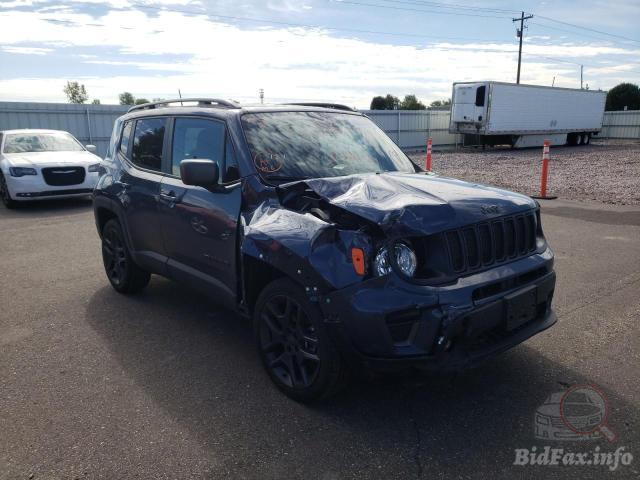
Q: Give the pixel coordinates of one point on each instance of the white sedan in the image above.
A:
(44, 164)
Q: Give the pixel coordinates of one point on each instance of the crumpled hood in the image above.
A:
(45, 159)
(417, 204)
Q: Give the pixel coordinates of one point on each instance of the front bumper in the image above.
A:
(34, 187)
(388, 324)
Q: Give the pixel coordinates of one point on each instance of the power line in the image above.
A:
(589, 29)
(389, 7)
(453, 6)
(304, 25)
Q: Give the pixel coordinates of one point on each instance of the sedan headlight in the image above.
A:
(22, 171)
(404, 257)
(94, 168)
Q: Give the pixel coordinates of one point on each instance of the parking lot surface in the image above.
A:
(166, 384)
(605, 171)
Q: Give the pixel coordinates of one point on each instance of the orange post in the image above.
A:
(545, 173)
(428, 162)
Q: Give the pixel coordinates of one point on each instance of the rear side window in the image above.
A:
(148, 139)
(126, 135)
(480, 96)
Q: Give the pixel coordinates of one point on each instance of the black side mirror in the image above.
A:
(202, 173)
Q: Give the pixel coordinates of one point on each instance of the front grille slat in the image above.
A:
(492, 242)
(63, 176)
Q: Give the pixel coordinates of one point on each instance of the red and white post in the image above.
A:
(428, 161)
(545, 173)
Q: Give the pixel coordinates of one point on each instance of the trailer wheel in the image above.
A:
(586, 139)
(578, 139)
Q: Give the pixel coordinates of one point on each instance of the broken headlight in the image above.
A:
(403, 255)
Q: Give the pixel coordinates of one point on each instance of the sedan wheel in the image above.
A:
(4, 193)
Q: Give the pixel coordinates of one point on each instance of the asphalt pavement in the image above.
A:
(167, 385)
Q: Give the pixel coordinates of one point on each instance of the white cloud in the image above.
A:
(26, 50)
(203, 57)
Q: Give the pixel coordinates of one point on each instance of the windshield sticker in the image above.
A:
(268, 162)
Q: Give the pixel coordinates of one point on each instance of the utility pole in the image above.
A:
(581, 76)
(261, 92)
(520, 35)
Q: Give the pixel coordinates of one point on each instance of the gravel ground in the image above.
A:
(605, 171)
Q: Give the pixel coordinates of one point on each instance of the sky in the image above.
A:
(343, 51)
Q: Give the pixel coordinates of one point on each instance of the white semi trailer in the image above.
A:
(496, 113)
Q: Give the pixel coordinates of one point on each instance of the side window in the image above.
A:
(197, 138)
(480, 96)
(148, 139)
(126, 135)
(231, 171)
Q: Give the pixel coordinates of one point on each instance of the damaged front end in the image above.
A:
(482, 282)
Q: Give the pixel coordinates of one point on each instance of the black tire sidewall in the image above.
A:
(330, 362)
(7, 201)
(134, 279)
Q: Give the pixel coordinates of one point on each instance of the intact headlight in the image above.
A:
(404, 257)
(22, 171)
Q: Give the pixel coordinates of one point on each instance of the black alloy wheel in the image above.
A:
(289, 342)
(294, 345)
(123, 274)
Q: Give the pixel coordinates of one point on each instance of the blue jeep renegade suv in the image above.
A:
(311, 221)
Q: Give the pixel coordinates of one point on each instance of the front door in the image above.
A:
(200, 225)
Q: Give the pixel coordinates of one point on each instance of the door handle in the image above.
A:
(169, 197)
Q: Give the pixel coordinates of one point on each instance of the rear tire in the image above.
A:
(294, 344)
(4, 193)
(123, 274)
(578, 139)
(586, 139)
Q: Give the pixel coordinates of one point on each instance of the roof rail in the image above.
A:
(202, 102)
(335, 106)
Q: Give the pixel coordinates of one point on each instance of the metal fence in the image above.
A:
(621, 125)
(91, 124)
(409, 129)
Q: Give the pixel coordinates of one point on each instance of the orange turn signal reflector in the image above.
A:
(357, 257)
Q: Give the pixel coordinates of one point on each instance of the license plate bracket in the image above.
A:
(520, 307)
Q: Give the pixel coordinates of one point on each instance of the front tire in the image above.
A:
(294, 345)
(5, 194)
(123, 274)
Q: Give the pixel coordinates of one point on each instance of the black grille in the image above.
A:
(62, 176)
(495, 241)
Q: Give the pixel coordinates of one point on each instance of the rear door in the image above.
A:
(199, 225)
(142, 153)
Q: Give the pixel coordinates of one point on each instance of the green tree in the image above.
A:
(623, 95)
(140, 101)
(126, 98)
(75, 92)
(95, 101)
(393, 102)
(389, 102)
(440, 103)
(378, 103)
(410, 102)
